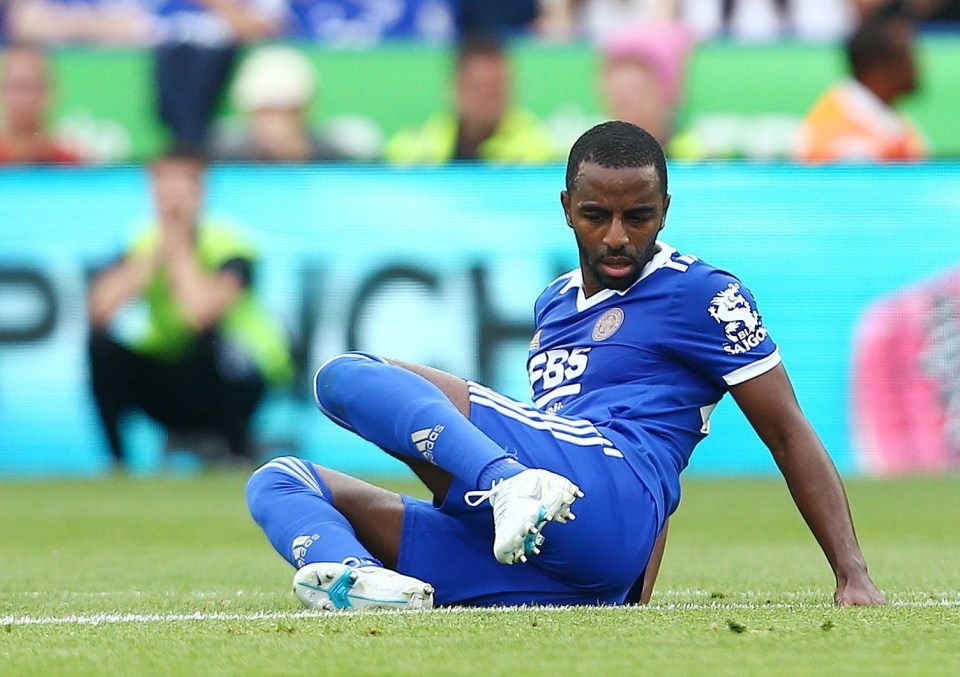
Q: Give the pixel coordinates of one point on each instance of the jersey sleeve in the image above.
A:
(719, 331)
(547, 295)
(538, 309)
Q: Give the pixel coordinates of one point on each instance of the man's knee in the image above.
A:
(280, 475)
(259, 487)
(328, 383)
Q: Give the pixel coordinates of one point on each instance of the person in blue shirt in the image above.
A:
(196, 43)
(631, 353)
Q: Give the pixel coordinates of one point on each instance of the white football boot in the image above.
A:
(332, 586)
(522, 504)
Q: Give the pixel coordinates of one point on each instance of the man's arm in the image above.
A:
(248, 24)
(203, 297)
(115, 286)
(50, 22)
(770, 405)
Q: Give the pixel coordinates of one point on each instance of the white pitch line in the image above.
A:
(106, 618)
(116, 618)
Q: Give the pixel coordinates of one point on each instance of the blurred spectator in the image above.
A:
(273, 89)
(905, 380)
(854, 120)
(642, 78)
(362, 23)
(25, 91)
(770, 20)
(598, 19)
(484, 125)
(940, 11)
(197, 43)
(60, 22)
(209, 351)
(925, 11)
(503, 18)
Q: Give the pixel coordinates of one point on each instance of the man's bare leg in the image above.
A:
(376, 514)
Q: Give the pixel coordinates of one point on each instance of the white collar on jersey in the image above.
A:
(659, 260)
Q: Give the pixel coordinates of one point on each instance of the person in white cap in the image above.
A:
(273, 90)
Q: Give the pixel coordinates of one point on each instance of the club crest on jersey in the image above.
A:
(608, 324)
(535, 341)
(741, 323)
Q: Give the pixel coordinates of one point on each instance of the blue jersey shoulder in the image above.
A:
(552, 290)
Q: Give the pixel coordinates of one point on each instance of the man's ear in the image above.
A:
(565, 201)
(666, 206)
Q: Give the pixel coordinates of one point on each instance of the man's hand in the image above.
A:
(858, 591)
(177, 241)
(116, 285)
(248, 25)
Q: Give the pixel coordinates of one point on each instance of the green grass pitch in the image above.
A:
(138, 576)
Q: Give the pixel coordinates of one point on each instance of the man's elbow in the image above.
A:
(98, 321)
(99, 312)
(793, 441)
(199, 320)
(199, 317)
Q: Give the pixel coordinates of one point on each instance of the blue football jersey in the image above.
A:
(648, 365)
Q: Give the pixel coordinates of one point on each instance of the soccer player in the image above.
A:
(631, 353)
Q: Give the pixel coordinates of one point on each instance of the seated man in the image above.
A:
(641, 81)
(854, 120)
(484, 125)
(25, 97)
(905, 410)
(273, 90)
(631, 353)
(209, 350)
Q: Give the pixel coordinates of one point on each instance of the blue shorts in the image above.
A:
(592, 560)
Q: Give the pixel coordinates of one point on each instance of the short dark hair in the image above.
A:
(480, 43)
(614, 145)
(181, 151)
(876, 43)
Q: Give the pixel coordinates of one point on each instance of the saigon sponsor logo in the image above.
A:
(608, 324)
(741, 323)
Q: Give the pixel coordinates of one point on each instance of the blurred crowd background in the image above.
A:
(429, 81)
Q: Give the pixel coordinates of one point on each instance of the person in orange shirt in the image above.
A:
(855, 119)
(24, 97)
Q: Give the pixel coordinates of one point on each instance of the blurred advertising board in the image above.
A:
(442, 266)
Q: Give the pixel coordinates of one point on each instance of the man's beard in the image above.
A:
(619, 283)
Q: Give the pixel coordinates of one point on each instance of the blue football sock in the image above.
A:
(408, 415)
(294, 507)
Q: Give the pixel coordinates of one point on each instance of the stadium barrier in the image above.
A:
(442, 266)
